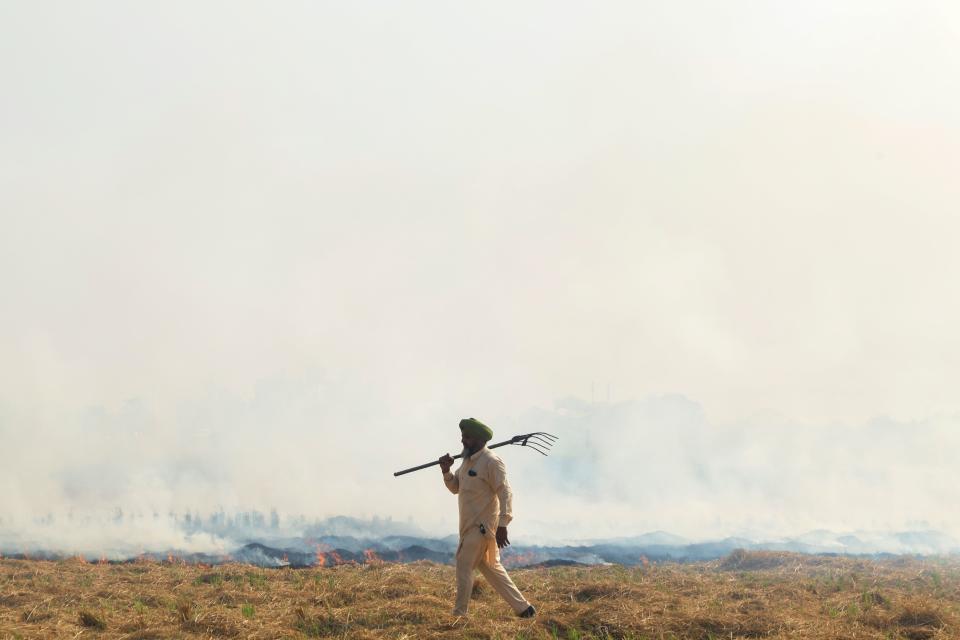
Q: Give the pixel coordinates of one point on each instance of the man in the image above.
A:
(486, 506)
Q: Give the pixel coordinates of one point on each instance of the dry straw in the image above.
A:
(746, 595)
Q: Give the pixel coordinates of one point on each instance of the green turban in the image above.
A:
(475, 428)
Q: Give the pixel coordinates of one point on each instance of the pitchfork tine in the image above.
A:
(536, 445)
(544, 443)
(545, 435)
(535, 449)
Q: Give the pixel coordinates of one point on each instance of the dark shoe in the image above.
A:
(528, 613)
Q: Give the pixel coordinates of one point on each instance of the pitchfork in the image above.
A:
(539, 441)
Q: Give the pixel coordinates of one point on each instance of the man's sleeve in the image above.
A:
(452, 482)
(497, 477)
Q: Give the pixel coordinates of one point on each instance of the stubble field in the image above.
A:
(747, 595)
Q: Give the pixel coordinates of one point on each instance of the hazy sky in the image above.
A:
(259, 254)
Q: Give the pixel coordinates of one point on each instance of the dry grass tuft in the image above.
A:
(321, 626)
(746, 595)
(742, 560)
(599, 591)
(184, 609)
(92, 620)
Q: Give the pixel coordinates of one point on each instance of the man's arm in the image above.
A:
(449, 479)
(498, 482)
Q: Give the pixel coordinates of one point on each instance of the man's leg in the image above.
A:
(497, 576)
(469, 553)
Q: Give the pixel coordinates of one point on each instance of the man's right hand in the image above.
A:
(445, 463)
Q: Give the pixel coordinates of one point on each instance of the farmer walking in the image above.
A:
(485, 504)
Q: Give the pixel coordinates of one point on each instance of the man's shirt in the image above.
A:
(483, 494)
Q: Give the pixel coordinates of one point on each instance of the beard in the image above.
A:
(466, 453)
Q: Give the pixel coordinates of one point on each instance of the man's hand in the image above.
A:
(502, 540)
(445, 463)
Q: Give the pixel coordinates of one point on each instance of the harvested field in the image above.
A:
(747, 595)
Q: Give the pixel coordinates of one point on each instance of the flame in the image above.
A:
(644, 561)
(327, 557)
(284, 559)
(371, 556)
(170, 558)
(321, 554)
(102, 560)
(519, 559)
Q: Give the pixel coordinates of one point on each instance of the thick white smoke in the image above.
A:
(619, 469)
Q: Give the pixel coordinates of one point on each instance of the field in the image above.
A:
(746, 595)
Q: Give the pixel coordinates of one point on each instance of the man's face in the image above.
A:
(471, 444)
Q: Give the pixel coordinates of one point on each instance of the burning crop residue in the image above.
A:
(513, 559)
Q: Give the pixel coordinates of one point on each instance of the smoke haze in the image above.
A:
(261, 257)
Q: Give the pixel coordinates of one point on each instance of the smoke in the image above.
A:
(659, 463)
(619, 469)
(241, 277)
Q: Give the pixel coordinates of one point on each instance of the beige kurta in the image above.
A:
(484, 495)
(485, 503)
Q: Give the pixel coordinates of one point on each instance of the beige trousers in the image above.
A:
(477, 551)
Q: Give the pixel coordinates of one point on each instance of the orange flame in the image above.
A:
(102, 560)
(519, 559)
(326, 556)
(170, 558)
(371, 556)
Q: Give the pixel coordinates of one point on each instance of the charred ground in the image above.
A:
(745, 595)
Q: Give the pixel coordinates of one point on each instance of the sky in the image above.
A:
(263, 255)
